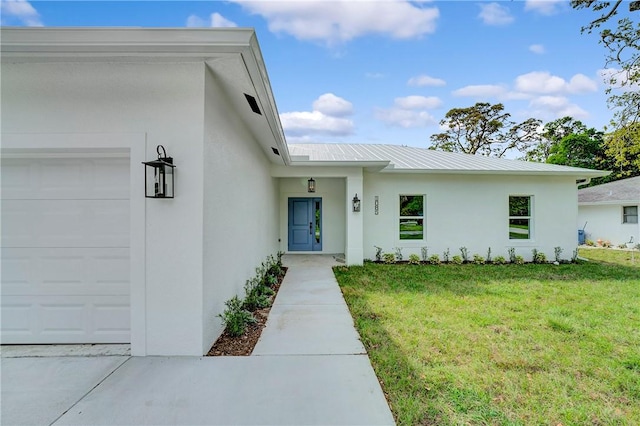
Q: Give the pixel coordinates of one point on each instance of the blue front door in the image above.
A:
(305, 224)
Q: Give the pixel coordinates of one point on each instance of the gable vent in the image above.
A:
(253, 104)
(275, 151)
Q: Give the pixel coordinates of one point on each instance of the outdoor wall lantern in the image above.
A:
(158, 176)
(311, 185)
(356, 203)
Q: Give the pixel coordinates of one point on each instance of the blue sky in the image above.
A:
(386, 71)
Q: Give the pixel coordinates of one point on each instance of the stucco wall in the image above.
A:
(470, 211)
(332, 192)
(605, 222)
(165, 103)
(240, 207)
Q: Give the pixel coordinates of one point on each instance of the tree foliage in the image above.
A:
(584, 150)
(484, 129)
(622, 150)
(623, 56)
(552, 134)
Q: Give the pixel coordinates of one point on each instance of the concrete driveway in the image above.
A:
(309, 368)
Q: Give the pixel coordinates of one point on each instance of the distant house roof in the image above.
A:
(410, 159)
(620, 191)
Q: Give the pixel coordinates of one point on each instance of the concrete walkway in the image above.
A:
(309, 368)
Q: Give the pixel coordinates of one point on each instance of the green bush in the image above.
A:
(389, 258)
(235, 318)
(518, 260)
(499, 260)
(477, 259)
(540, 258)
(456, 260)
(414, 259)
(434, 259)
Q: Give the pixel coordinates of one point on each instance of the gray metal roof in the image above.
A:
(625, 190)
(407, 159)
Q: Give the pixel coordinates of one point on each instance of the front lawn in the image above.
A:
(488, 344)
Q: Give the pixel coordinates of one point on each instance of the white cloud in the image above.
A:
(425, 80)
(542, 82)
(551, 107)
(495, 14)
(215, 21)
(344, 20)
(481, 91)
(327, 118)
(544, 7)
(418, 102)
(333, 105)
(305, 123)
(409, 111)
(20, 10)
(404, 118)
(537, 48)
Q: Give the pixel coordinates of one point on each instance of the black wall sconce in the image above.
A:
(159, 176)
(311, 185)
(356, 203)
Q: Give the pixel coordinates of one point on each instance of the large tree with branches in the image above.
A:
(484, 129)
(623, 55)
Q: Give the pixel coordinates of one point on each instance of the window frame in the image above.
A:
(626, 216)
(528, 217)
(401, 217)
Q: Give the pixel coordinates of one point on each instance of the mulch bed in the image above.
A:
(243, 346)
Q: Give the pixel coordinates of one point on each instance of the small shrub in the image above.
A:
(399, 254)
(378, 254)
(446, 256)
(499, 260)
(256, 295)
(235, 318)
(489, 255)
(518, 260)
(534, 255)
(465, 254)
(456, 260)
(622, 246)
(590, 243)
(557, 252)
(414, 259)
(477, 259)
(434, 259)
(539, 257)
(389, 258)
(424, 251)
(512, 254)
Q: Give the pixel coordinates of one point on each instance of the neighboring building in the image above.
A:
(86, 258)
(610, 211)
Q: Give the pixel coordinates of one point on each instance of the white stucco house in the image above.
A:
(87, 258)
(611, 211)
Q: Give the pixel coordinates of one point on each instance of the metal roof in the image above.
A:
(411, 159)
(625, 190)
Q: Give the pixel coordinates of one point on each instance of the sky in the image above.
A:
(386, 71)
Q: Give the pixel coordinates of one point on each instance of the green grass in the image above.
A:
(619, 257)
(511, 345)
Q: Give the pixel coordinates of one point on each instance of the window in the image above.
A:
(630, 214)
(412, 217)
(519, 217)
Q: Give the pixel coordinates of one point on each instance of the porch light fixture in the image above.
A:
(356, 203)
(158, 176)
(311, 185)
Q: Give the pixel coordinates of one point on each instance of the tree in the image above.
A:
(622, 59)
(622, 148)
(580, 150)
(552, 134)
(484, 129)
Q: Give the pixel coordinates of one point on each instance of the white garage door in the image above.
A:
(65, 249)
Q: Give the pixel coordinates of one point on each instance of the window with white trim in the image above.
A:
(630, 214)
(411, 217)
(520, 217)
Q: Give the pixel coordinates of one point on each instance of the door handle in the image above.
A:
(310, 228)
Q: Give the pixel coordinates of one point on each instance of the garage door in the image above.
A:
(65, 249)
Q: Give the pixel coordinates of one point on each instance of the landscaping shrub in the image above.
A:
(434, 259)
(457, 260)
(477, 259)
(414, 259)
(235, 318)
(499, 260)
(389, 258)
